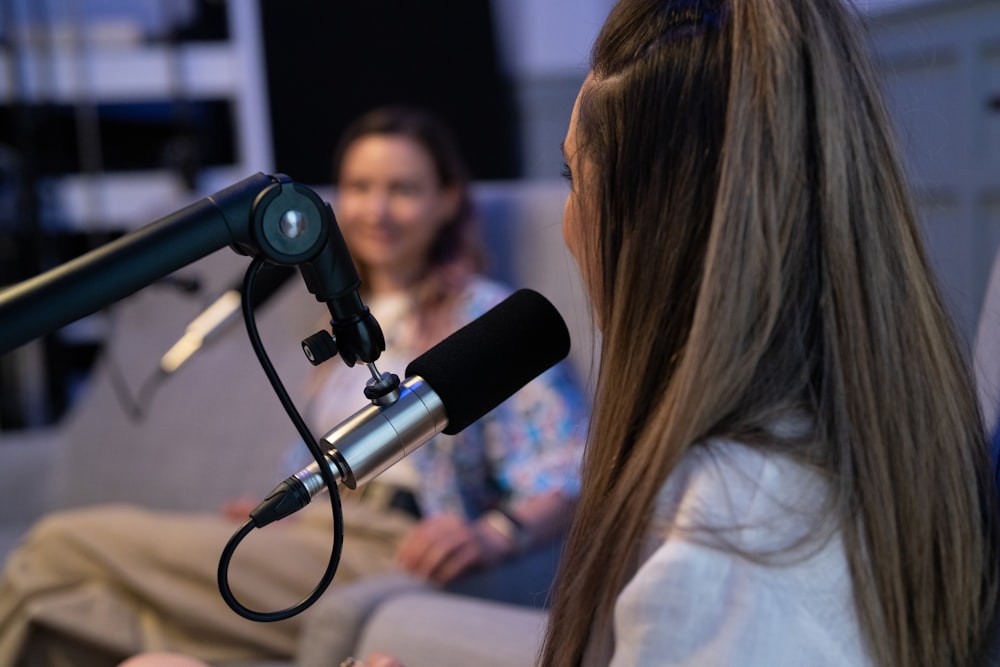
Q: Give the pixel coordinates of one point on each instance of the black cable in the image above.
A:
(135, 407)
(318, 455)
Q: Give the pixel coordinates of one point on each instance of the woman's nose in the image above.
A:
(377, 207)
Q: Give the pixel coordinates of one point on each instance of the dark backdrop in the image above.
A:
(328, 61)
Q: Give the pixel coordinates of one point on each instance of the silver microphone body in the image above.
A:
(378, 436)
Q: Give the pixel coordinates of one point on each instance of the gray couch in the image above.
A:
(214, 430)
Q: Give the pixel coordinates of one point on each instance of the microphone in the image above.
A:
(222, 311)
(447, 388)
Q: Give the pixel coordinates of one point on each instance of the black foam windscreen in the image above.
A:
(482, 364)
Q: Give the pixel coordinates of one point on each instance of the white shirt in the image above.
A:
(696, 602)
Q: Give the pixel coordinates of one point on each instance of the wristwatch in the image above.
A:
(508, 526)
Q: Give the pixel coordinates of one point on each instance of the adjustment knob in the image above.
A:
(319, 347)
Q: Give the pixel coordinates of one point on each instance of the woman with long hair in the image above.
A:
(786, 463)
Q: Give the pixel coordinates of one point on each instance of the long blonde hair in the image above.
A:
(744, 172)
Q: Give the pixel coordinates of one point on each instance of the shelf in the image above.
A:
(125, 74)
(129, 200)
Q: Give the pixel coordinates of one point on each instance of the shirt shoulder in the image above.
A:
(703, 597)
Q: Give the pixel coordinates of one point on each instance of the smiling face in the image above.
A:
(391, 207)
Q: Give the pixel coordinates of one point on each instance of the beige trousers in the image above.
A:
(120, 579)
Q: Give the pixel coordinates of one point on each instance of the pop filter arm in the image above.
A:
(262, 216)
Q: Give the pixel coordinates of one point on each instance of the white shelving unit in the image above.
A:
(59, 53)
(93, 64)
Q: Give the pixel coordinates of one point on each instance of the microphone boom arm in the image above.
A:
(262, 215)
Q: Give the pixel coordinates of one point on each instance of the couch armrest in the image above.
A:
(27, 462)
(434, 629)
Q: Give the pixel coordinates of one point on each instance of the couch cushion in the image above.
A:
(431, 629)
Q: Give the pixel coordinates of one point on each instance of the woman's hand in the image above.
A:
(444, 547)
(238, 509)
